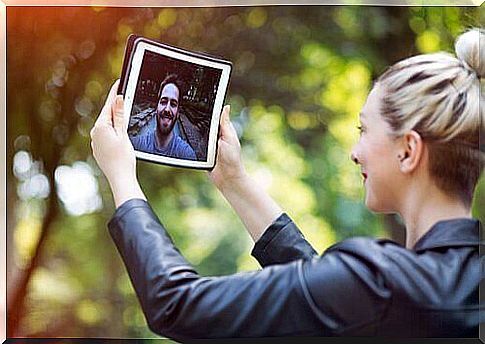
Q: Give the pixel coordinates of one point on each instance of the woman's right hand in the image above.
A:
(229, 169)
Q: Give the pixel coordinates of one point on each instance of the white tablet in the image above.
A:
(174, 99)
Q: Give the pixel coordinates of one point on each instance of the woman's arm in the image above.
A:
(256, 209)
(337, 294)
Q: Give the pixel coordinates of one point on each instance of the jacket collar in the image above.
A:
(454, 232)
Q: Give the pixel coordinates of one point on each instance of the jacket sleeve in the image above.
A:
(301, 298)
(282, 242)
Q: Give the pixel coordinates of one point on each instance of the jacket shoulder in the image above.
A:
(447, 278)
(383, 257)
(367, 247)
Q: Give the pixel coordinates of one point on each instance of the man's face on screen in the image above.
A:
(167, 109)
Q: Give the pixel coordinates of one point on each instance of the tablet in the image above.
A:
(174, 99)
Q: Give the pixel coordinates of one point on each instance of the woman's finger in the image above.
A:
(228, 132)
(118, 114)
(105, 114)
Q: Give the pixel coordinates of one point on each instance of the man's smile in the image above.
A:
(167, 115)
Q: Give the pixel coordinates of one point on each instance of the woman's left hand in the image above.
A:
(113, 150)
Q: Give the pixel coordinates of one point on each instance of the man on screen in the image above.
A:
(163, 140)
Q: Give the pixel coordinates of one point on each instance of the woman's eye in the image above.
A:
(360, 129)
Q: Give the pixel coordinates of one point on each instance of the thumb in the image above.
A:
(225, 122)
(118, 114)
(228, 132)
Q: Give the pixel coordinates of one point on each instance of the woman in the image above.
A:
(419, 156)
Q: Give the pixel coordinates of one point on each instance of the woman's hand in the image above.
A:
(113, 150)
(229, 169)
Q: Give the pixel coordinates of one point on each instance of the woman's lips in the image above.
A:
(364, 175)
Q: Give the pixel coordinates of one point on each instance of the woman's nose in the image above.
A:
(353, 157)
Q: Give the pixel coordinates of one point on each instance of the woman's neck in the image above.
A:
(427, 207)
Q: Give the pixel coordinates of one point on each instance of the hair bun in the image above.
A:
(470, 48)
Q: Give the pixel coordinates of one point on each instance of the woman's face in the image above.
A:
(376, 153)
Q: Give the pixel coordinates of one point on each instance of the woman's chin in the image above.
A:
(371, 207)
(377, 207)
(372, 204)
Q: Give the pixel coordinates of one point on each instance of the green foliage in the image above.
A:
(301, 75)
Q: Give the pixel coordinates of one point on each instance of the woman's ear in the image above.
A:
(411, 151)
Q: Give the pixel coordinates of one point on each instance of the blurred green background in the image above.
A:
(301, 75)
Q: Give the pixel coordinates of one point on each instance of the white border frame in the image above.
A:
(139, 52)
(156, 3)
(232, 3)
(3, 173)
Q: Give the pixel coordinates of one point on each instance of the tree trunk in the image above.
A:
(16, 301)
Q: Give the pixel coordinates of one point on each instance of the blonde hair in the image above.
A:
(438, 96)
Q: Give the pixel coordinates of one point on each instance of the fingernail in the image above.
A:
(227, 109)
(119, 100)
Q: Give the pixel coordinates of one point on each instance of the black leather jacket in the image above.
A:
(358, 287)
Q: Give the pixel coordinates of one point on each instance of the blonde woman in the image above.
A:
(420, 157)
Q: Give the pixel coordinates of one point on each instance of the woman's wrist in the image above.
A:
(234, 183)
(252, 203)
(124, 189)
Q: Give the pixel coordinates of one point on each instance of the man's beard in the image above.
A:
(164, 130)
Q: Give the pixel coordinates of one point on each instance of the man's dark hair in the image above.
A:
(171, 79)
